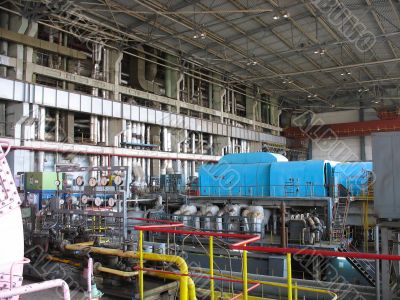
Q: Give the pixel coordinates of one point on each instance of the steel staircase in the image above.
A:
(340, 212)
(363, 266)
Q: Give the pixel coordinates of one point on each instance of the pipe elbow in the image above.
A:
(181, 264)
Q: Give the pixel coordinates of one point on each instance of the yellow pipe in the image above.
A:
(191, 285)
(141, 278)
(245, 292)
(296, 296)
(117, 272)
(212, 267)
(289, 276)
(177, 260)
(62, 260)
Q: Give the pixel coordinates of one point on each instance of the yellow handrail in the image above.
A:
(277, 284)
(289, 276)
(211, 251)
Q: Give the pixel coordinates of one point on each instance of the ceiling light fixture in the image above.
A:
(251, 63)
(285, 81)
(201, 35)
(276, 17)
(320, 51)
(285, 14)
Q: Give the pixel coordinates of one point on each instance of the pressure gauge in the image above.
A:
(92, 182)
(57, 183)
(31, 198)
(84, 199)
(79, 181)
(111, 202)
(118, 180)
(97, 201)
(104, 180)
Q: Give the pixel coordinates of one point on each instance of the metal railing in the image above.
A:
(170, 227)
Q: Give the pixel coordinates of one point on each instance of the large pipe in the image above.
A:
(138, 78)
(283, 225)
(36, 287)
(105, 153)
(177, 260)
(89, 277)
(115, 271)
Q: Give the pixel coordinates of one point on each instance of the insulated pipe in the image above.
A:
(36, 287)
(128, 133)
(177, 260)
(106, 132)
(89, 277)
(143, 133)
(134, 133)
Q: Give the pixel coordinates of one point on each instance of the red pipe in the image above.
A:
(102, 154)
(314, 252)
(343, 129)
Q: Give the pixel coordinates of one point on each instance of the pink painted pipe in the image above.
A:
(36, 287)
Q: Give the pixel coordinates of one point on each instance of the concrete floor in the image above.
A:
(54, 294)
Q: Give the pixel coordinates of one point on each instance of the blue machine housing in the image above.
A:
(309, 178)
(264, 174)
(241, 174)
(352, 176)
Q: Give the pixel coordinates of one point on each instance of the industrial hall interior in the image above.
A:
(200, 149)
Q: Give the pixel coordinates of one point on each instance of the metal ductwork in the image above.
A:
(144, 73)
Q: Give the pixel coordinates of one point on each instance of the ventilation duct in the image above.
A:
(144, 73)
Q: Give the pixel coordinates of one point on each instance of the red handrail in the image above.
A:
(250, 238)
(315, 252)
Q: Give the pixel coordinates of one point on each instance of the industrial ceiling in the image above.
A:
(318, 54)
